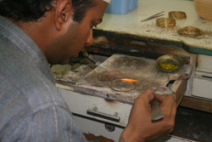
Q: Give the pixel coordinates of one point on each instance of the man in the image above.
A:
(31, 107)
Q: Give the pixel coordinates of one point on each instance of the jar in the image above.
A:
(204, 8)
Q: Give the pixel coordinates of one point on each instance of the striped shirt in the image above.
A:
(31, 107)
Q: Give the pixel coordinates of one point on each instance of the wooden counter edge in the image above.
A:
(196, 103)
(190, 101)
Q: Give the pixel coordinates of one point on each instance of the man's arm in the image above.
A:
(140, 127)
(50, 124)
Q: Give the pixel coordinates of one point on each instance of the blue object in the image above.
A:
(121, 6)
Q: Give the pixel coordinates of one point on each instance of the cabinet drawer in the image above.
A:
(204, 63)
(104, 132)
(97, 108)
(202, 87)
(97, 131)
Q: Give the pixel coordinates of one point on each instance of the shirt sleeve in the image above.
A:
(52, 124)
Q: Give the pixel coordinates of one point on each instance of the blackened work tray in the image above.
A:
(143, 72)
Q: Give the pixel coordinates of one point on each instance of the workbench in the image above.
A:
(193, 120)
(200, 49)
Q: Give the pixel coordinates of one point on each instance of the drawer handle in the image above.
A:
(103, 115)
(207, 77)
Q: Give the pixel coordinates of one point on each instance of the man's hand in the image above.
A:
(140, 127)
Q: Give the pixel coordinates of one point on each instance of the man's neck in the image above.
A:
(36, 30)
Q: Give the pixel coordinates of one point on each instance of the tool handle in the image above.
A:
(155, 104)
(156, 111)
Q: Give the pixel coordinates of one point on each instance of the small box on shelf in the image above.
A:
(121, 6)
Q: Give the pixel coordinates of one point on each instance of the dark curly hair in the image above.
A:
(32, 10)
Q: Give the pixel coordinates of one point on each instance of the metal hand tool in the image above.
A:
(153, 16)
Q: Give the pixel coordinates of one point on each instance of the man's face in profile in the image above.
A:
(76, 35)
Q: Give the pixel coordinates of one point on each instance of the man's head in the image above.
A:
(59, 27)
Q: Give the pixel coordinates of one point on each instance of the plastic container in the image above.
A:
(121, 6)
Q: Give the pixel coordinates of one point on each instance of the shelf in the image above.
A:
(130, 24)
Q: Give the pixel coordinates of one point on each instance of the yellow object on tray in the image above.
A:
(169, 63)
(169, 67)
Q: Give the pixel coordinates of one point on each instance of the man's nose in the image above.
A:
(89, 40)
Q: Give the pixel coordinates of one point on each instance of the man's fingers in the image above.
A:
(147, 96)
(167, 105)
(160, 98)
(142, 104)
(174, 111)
(160, 128)
(165, 98)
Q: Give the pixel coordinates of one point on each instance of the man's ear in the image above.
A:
(63, 12)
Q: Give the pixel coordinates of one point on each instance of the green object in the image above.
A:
(59, 70)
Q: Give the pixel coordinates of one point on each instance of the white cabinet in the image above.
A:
(202, 81)
(97, 108)
(100, 127)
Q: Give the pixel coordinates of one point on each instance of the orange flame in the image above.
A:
(128, 80)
